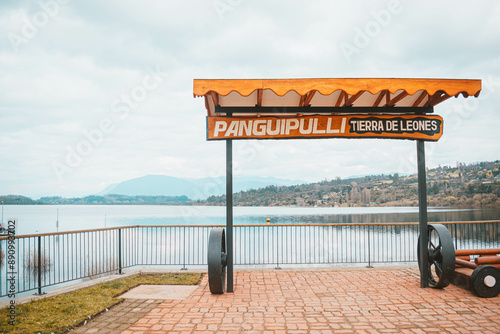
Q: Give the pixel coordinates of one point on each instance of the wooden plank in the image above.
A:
(341, 98)
(215, 98)
(354, 97)
(419, 99)
(259, 97)
(302, 100)
(397, 98)
(309, 98)
(207, 105)
(379, 98)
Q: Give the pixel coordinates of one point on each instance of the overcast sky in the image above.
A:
(98, 92)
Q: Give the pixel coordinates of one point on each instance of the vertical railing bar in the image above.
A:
(252, 233)
(127, 241)
(161, 244)
(351, 245)
(74, 259)
(102, 254)
(402, 246)
(184, 248)
(239, 252)
(17, 259)
(120, 251)
(82, 254)
(344, 249)
(57, 278)
(369, 248)
(252, 253)
(197, 243)
(63, 237)
(257, 248)
(176, 257)
(289, 248)
(313, 243)
(390, 250)
(170, 244)
(167, 245)
(46, 249)
(74, 247)
(250, 245)
(95, 254)
(18, 263)
(189, 255)
(87, 270)
(39, 265)
(265, 236)
(125, 248)
(56, 255)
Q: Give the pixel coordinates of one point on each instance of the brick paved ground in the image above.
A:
(352, 301)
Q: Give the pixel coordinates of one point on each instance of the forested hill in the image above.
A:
(473, 185)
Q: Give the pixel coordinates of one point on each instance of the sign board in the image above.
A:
(422, 127)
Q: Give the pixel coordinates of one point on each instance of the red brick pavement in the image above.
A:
(349, 301)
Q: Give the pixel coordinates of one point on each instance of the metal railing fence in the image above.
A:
(43, 260)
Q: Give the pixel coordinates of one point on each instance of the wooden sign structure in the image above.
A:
(424, 127)
(390, 108)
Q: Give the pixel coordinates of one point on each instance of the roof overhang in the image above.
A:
(329, 96)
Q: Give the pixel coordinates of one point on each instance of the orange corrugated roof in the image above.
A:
(359, 92)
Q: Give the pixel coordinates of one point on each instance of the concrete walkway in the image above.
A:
(321, 301)
(120, 317)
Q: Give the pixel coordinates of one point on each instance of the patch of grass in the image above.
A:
(60, 313)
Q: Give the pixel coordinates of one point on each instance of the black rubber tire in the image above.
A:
(217, 261)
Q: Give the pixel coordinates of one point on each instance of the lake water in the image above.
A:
(42, 218)
(73, 257)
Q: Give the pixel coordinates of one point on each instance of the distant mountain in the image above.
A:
(162, 185)
(18, 200)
